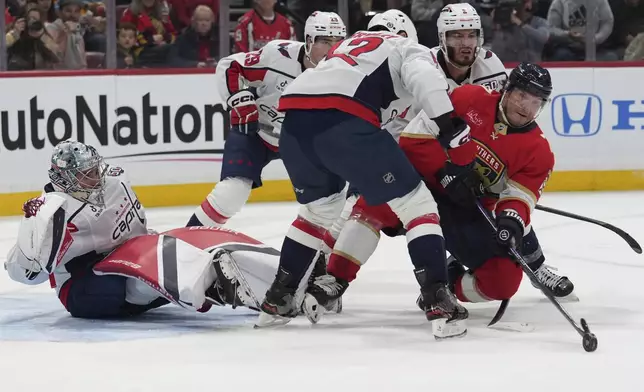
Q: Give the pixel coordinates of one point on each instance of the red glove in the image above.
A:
(244, 116)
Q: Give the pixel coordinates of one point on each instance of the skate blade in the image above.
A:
(513, 326)
(266, 320)
(446, 330)
(312, 309)
(572, 297)
(335, 306)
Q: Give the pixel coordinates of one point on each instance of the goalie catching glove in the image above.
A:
(244, 116)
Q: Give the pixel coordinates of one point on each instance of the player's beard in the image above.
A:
(451, 53)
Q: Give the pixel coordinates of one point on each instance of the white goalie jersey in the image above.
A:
(66, 235)
(268, 71)
(487, 70)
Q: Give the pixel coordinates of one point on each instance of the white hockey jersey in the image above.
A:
(487, 70)
(268, 70)
(79, 234)
(374, 76)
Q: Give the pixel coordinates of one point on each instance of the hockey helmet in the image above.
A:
(453, 17)
(78, 170)
(394, 21)
(532, 79)
(322, 24)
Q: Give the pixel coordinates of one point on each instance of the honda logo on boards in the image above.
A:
(576, 114)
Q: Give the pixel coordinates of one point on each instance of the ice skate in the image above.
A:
(560, 286)
(441, 308)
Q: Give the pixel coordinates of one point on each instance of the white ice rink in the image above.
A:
(381, 342)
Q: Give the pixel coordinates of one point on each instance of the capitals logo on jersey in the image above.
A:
(129, 209)
(283, 49)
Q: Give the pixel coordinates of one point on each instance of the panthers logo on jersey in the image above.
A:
(490, 167)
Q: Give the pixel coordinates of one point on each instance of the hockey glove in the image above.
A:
(462, 184)
(244, 116)
(510, 227)
(454, 131)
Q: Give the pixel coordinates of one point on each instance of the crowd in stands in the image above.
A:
(72, 34)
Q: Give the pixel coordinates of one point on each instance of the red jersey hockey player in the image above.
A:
(514, 160)
(260, 26)
(460, 57)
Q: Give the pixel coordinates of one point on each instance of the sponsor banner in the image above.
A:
(164, 129)
(595, 120)
(170, 129)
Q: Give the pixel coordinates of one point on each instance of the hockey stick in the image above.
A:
(589, 340)
(499, 313)
(625, 236)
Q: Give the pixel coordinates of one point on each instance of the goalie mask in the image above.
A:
(78, 170)
(460, 35)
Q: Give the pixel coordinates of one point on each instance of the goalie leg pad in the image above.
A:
(179, 271)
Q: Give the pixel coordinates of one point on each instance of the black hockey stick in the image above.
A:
(625, 236)
(499, 313)
(589, 340)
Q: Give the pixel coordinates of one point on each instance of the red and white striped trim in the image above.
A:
(470, 289)
(306, 233)
(424, 225)
(209, 216)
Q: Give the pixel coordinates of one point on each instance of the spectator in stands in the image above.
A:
(16, 7)
(126, 41)
(425, 13)
(32, 46)
(8, 19)
(304, 8)
(69, 35)
(183, 10)
(47, 9)
(427, 28)
(568, 19)
(261, 25)
(635, 50)
(522, 37)
(629, 22)
(198, 45)
(93, 23)
(154, 30)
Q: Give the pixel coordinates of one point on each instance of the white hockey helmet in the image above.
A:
(461, 16)
(322, 24)
(396, 22)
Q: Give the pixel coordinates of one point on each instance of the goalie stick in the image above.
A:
(589, 340)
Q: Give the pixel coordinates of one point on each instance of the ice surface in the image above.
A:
(381, 342)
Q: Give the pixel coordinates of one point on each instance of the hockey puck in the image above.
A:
(589, 342)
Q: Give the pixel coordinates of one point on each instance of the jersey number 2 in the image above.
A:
(362, 45)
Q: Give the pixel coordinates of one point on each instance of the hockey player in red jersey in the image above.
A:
(260, 26)
(332, 134)
(515, 161)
